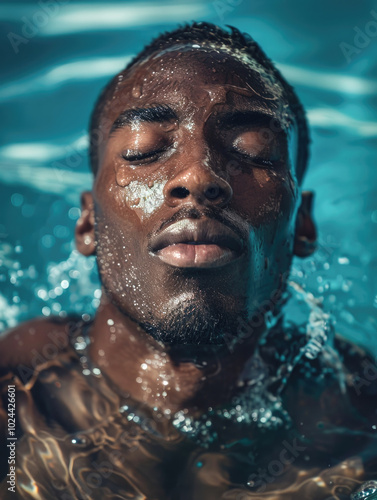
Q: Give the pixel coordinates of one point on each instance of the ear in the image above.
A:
(306, 233)
(84, 233)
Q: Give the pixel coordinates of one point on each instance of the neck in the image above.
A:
(168, 377)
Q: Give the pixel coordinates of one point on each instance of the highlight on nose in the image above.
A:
(207, 189)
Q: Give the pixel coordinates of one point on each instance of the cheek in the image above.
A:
(143, 198)
(130, 193)
(263, 197)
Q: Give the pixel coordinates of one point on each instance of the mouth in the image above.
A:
(203, 243)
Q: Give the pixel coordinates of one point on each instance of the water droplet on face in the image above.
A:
(122, 179)
(136, 91)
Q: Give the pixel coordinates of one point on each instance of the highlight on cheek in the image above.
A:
(147, 197)
(262, 176)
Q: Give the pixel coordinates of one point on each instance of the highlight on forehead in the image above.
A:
(257, 80)
(267, 76)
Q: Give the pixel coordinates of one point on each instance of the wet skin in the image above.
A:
(194, 218)
(215, 173)
(74, 442)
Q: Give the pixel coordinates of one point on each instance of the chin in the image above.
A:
(194, 322)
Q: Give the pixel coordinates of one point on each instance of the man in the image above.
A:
(184, 385)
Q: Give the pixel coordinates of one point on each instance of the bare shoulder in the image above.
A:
(34, 341)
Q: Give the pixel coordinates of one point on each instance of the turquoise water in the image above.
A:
(52, 75)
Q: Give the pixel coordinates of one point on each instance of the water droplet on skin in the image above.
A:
(122, 180)
(136, 91)
(136, 201)
(79, 440)
(150, 184)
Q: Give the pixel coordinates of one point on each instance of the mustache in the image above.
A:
(236, 224)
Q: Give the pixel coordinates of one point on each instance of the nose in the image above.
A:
(197, 184)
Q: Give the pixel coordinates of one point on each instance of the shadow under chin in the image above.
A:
(194, 323)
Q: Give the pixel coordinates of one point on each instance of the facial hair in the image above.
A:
(194, 322)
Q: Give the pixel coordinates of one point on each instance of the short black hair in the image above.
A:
(202, 32)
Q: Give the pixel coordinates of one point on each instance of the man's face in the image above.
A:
(196, 197)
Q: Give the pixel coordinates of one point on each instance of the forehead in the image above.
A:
(180, 74)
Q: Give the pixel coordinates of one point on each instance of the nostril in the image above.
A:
(212, 191)
(180, 192)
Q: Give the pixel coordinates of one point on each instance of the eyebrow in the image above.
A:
(240, 118)
(155, 114)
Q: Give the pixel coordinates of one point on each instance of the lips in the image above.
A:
(197, 243)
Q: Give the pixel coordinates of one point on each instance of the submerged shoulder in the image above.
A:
(33, 342)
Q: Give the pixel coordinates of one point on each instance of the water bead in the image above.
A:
(79, 440)
(64, 284)
(367, 490)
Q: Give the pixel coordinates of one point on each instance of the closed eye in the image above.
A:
(257, 160)
(140, 157)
